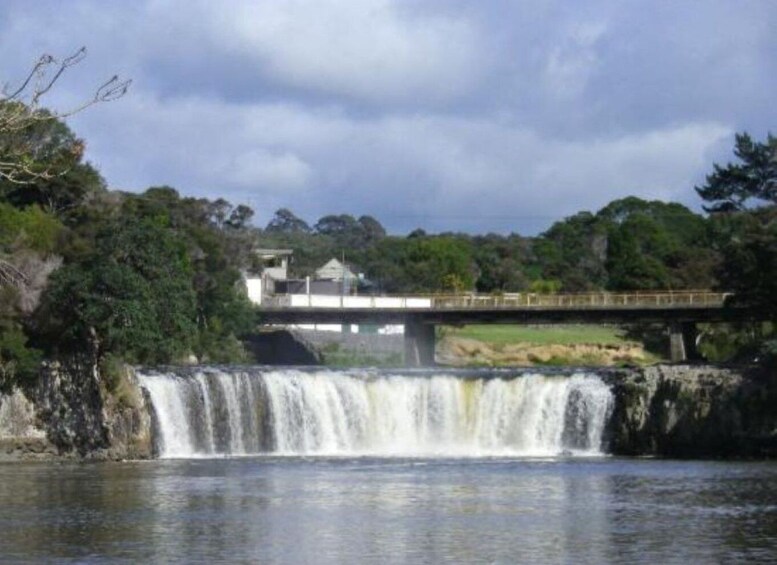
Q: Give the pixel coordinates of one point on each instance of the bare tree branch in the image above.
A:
(11, 276)
(21, 112)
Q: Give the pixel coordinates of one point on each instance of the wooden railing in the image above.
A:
(641, 299)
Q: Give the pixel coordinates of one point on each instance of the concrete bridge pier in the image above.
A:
(682, 342)
(419, 342)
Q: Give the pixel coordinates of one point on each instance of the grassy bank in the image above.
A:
(540, 335)
(335, 355)
(499, 345)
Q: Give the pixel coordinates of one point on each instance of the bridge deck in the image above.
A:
(599, 307)
(670, 299)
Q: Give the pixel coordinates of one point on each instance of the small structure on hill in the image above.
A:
(273, 268)
(335, 285)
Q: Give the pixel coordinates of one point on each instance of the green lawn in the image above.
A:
(541, 335)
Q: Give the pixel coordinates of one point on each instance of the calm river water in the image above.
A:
(296, 510)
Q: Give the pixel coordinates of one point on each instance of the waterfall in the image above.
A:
(212, 411)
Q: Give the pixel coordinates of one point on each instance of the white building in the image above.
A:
(274, 267)
(308, 294)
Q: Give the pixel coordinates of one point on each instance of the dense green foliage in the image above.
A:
(132, 295)
(28, 240)
(155, 280)
(156, 277)
(743, 199)
(149, 278)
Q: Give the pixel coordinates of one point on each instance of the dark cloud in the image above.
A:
(446, 115)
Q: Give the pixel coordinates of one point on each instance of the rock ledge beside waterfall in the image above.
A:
(73, 413)
(664, 410)
(693, 411)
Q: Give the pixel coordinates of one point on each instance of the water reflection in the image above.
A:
(707, 510)
(389, 511)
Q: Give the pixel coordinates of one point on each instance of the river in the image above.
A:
(389, 510)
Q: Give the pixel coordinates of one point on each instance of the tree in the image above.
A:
(26, 149)
(737, 185)
(635, 255)
(348, 233)
(501, 262)
(747, 236)
(239, 217)
(750, 261)
(656, 245)
(573, 251)
(372, 229)
(442, 263)
(743, 197)
(337, 225)
(219, 244)
(286, 222)
(53, 146)
(132, 297)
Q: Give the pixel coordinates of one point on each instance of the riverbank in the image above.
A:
(465, 352)
(526, 346)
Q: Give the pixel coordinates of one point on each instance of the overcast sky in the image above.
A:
(447, 115)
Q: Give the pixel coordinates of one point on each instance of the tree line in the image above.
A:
(156, 277)
(630, 244)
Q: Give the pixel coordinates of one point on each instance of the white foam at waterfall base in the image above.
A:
(293, 412)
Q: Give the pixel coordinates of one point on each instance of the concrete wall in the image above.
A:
(379, 347)
(325, 301)
(254, 289)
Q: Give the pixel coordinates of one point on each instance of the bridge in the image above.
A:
(680, 311)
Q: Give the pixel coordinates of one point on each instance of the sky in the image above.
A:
(490, 116)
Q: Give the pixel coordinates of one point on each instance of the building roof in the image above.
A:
(335, 270)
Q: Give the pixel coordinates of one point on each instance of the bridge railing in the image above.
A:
(665, 299)
(347, 301)
(643, 299)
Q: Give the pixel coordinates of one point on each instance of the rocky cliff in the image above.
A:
(693, 411)
(76, 411)
(20, 431)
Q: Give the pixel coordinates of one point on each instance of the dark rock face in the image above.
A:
(81, 417)
(70, 404)
(693, 411)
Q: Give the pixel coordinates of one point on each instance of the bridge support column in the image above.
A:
(419, 343)
(682, 342)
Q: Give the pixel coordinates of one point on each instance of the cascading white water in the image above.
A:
(214, 412)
